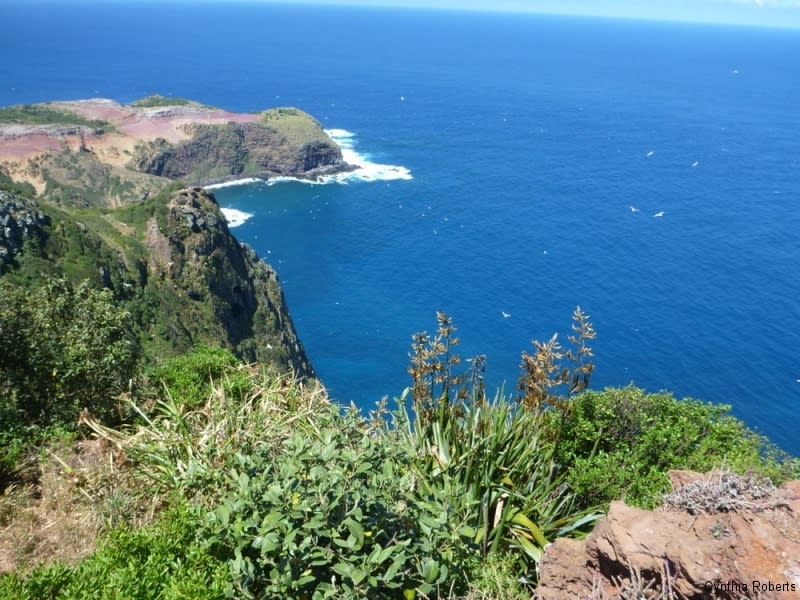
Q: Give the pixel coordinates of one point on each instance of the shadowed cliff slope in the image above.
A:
(171, 261)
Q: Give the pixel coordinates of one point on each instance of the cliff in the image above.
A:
(20, 221)
(118, 204)
(170, 261)
(101, 153)
(284, 142)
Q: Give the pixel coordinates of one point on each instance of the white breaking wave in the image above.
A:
(366, 170)
(340, 134)
(235, 217)
(284, 179)
(245, 181)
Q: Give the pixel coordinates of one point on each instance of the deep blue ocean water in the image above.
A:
(529, 139)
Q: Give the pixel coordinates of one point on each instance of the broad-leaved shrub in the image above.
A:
(619, 444)
(335, 512)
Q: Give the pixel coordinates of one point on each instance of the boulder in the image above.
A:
(718, 535)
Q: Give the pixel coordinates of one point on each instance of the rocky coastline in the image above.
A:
(113, 193)
(135, 143)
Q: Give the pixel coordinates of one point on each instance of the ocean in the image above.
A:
(515, 165)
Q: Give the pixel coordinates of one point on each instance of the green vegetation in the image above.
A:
(67, 249)
(258, 487)
(155, 100)
(620, 443)
(190, 376)
(165, 560)
(491, 458)
(9, 185)
(42, 114)
(209, 478)
(334, 512)
(136, 215)
(81, 179)
(215, 294)
(62, 349)
(295, 125)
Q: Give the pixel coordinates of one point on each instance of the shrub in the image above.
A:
(43, 114)
(491, 463)
(334, 513)
(65, 348)
(156, 100)
(301, 500)
(9, 185)
(620, 443)
(490, 459)
(62, 348)
(189, 377)
(723, 492)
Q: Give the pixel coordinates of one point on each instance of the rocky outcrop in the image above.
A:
(20, 220)
(216, 280)
(125, 144)
(169, 258)
(717, 536)
(171, 262)
(266, 149)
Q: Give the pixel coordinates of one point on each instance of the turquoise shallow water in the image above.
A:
(528, 140)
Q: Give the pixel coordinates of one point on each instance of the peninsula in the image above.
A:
(101, 152)
(98, 192)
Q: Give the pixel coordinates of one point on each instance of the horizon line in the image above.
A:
(769, 20)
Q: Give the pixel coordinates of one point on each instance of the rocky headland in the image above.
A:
(101, 152)
(111, 193)
(170, 261)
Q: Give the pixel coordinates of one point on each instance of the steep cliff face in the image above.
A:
(218, 281)
(222, 152)
(171, 261)
(110, 212)
(20, 220)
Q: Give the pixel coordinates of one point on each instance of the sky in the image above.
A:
(774, 13)
(762, 13)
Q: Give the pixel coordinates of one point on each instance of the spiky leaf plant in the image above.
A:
(493, 457)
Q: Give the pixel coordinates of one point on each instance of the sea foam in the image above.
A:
(245, 181)
(236, 217)
(366, 170)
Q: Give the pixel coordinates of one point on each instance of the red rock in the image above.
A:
(752, 552)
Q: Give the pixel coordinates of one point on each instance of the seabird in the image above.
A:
(505, 314)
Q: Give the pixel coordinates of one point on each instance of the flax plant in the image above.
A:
(544, 372)
(176, 447)
(506, 492)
